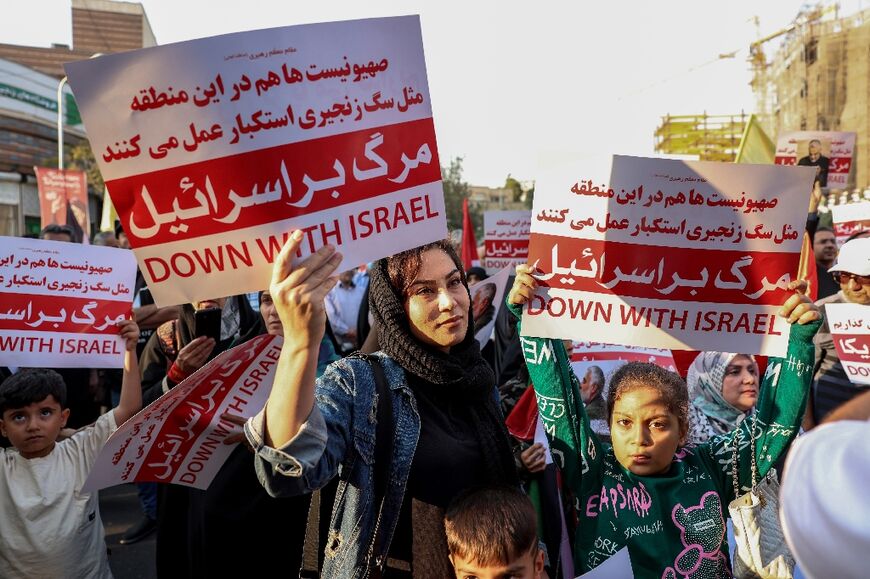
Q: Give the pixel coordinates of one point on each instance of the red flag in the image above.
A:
(523, 418)
(469, 244)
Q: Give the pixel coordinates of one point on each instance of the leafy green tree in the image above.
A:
(455, 191)
(515, 188)
(82, 158)
(530, 196)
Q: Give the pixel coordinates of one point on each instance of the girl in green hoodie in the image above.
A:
(667, 502)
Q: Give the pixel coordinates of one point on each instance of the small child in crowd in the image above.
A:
(492, 534)
(48, 527)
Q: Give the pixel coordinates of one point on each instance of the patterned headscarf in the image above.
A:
(705, 390)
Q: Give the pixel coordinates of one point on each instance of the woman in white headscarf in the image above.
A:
(723, 388)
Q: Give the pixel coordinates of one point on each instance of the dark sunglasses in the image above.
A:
(844, 277)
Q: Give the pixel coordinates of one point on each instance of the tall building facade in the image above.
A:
(29, 78)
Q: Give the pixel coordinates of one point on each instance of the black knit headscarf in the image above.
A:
(462, 373)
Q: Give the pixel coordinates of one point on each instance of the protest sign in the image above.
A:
(850, 331)
(609, 357)
(617, 566)
(63, 199)
(61, 303)
(506, 239)
(214, 150)
(850, 219)
(487, 298)
(829, 153)
(178, 439)
(674, 254)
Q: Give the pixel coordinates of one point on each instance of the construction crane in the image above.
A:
(758, 60)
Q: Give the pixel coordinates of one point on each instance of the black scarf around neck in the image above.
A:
(463, 373)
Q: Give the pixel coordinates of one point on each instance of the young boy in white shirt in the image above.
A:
(48, 527)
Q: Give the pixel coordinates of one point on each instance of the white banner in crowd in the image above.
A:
(178, 439)
(213, 150)
(829, 152)
(850, 330)
(487, 299)
(673, 254)
(850, 219)
(60, 303)
(506, 239)
(609, 358)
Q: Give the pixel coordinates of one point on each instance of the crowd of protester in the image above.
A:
(389, 446)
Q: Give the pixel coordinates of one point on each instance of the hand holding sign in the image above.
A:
(798, 308)
(524, 285)
(129, 331)
(299, 292)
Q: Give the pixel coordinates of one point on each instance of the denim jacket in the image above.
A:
(338, 438)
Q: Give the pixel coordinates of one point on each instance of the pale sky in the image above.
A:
(510, 81)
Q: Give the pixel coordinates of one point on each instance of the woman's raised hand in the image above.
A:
(798, 307)
(298, 292)
(524, 285)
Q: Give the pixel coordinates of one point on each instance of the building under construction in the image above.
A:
(710, 137)
(818, 79)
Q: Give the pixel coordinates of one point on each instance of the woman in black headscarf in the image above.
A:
(440, 427)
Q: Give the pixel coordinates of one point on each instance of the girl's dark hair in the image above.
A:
(669, 385)
(402, 268)
(31, 385)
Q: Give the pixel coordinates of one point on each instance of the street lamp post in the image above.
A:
(60, 86)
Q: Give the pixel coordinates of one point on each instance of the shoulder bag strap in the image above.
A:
(383, 460)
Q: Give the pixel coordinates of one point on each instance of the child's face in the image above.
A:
(32, 430)
(529, 566)
(645, 432)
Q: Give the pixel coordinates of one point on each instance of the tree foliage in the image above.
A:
(518, 194)
(82, 158)
(515, 188)
(455, 191)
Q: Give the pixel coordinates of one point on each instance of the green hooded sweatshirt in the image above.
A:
(673, 523)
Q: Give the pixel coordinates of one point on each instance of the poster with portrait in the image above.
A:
(487, 299)
(830, 153)
(63, 200)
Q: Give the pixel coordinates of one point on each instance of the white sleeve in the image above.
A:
(89, 441)
(333, 314)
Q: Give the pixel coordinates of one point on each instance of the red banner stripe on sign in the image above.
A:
(852, 347)
(663, 361)
(495, 248)
(60, 314)
(161, 466)
(272, 184)
(641, 271)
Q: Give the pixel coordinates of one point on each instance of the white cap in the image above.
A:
(854, 257)
(824, 506)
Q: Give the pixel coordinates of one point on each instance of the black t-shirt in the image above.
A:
(827, 285)
(823, 163)
(447, 461)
